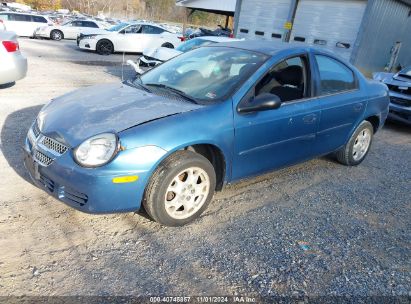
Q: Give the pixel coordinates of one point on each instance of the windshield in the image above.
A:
(405, 72)
(191, 44)
(205, 74)
(117, 27)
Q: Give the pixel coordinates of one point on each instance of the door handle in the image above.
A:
(309, 119)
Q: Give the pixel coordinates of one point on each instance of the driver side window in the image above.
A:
(287, 79)
(133, 29)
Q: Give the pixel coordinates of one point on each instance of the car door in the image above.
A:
(128, 39)
(266, 140)
(342, 103)
(151, 37)
(86, 27)
(72, 28)
(36, 22)
(20, 24)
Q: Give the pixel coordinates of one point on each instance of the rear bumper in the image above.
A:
(13, 68)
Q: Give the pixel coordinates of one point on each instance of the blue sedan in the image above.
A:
(169, 139)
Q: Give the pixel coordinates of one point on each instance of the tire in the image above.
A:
(56, 35)
(178, 208)
(168, 45)
(357, 148)
(105, 47)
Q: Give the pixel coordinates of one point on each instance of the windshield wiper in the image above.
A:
(137, 84)
(174, 90)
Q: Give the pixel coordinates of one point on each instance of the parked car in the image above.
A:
(132, 38)
(155, 56)
(220, 31)
(13, 65)
(399, 85)
(23, 24)
(70, 29)
(208, 117)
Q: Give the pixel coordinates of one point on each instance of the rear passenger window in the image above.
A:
(89, 24)
(335, 77)
(39, 19)
(148, 29)
(24, 18)
(4, 17)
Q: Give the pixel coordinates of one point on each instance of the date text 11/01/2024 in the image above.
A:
(203, 299)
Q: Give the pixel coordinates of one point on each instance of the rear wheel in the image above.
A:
(56, 35)
(180, 189)
(105, 47)
(354, 152)
(168, 45)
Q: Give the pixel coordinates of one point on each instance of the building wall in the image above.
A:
(385, 22)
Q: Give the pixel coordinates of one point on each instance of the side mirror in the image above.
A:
(262, 102)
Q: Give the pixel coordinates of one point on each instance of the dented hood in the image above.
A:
(76, 116)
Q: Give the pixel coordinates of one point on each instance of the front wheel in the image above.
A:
(56, 35)
(354, 152)
(105, 47)
(180, 189)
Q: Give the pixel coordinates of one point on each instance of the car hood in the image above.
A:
(76, 116)
(392, 79)
(161, 53)
(94, 31)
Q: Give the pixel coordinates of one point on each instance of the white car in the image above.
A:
(154, 56)
(129, 38)
(13, 65)
(70, 30)
(23, 24)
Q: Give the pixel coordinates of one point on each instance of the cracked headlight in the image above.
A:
(97, 150)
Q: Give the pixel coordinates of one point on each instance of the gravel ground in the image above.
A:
(315, 229)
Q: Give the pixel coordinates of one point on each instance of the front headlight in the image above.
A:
(97, 150)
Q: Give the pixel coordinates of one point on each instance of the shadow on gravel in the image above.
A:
(398, 127)
(13, 134)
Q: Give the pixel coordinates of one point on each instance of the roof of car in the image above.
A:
(218, 38)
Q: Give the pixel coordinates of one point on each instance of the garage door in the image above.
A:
(333, 24)
(263, 19)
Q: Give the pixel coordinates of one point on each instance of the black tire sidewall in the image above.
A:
(350, 145)
(165, 176)
(168, 45)
(53, 37)
(100, 43)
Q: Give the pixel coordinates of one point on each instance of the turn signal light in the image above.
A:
(11, 46)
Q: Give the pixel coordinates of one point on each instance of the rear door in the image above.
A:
(341, 100)
(20, 24)
(151, 37)
(36, 22)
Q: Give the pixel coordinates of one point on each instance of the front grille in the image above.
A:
(72, 196)
(42, 158)
(48, 183)
(401, 101)
(397, 89)
(54, 145)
